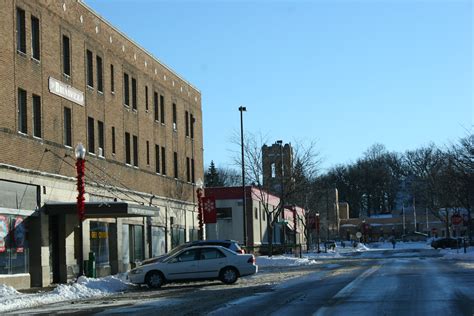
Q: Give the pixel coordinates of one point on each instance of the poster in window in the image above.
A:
(19, 234)
(3, 233)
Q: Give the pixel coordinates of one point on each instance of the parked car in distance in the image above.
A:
(195, 263)
(447, 243)
(230, 244)
(330, 244)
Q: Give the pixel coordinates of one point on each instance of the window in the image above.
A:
(126, 90)
(209, 254)
(37, 116)
(192, 171)
(163, 160)
(134, 93)
(175, 123)
(90, 69)
(175, 163)
(186, 122)
(193, 120)
(224, 212)
(112, 83)
(35, 38)
(100, 86)
(100, 127)
(155, 106)
(22, 121)
(135, 151)
(188, 255)
(162, 108)
(256, 213)
(66, 56)
(146, 98)
(20, 31)
(99, 242)
(273, 170)
(113, 140)
(67, 127)
(188, 169)
(90, 135)
(147, 153)
(128, 159)
(157, 159)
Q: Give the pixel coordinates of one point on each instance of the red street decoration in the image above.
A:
(80, 166)
(200, 223)
(209, 207)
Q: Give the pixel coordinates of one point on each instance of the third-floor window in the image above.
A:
(90, 68)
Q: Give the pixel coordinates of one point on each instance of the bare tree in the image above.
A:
(294, 189)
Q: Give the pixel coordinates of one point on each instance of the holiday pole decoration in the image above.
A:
(80, 153)
(199, 193)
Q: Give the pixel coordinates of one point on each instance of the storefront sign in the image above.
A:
(66, 91)
(3, 233)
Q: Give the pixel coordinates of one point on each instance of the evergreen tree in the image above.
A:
(212, 178)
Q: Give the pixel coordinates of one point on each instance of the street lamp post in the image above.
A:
(282, 204)
(243, 109)
(80, 153)
(199, 193)
(317, 231)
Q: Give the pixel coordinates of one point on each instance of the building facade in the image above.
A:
(260, 207)
(66, 77)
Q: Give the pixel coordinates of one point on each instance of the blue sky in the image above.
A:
(346, 73)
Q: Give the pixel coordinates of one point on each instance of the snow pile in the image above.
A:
(361, 247)
(458, 254)
(10, 299)
(279, 261)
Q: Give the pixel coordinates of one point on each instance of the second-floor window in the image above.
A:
(90, 135)
(157, 158)
(35, 38)
(90, 68)
(188, 169)
(22, 118)
(128, 157)
(113, 140)
(36, 116)
(163, 160)
(135, 151)
(100, 131)
(67, 127)
(147, 153)
(175, 164)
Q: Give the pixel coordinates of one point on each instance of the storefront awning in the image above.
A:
(102, 209)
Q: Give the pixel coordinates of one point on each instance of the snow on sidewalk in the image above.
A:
(11, 299)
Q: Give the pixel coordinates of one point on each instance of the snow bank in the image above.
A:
(458, 254)
(279, 261)
(10, 299)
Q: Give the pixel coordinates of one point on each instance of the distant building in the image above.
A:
(277, 162)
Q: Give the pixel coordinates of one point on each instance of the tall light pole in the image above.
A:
(243, 109)
(80, 153)
(282, 204)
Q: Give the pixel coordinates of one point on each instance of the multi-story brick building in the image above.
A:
(66, 77)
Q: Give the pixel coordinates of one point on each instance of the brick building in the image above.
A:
(66, 77)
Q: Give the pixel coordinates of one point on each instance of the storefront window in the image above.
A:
(157, 241)
(136, 243)
(99, 239)
(13, 245)
(177, 236)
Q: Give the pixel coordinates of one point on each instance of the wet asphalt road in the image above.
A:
(401, 282)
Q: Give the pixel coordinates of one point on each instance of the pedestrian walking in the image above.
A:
(393, 242)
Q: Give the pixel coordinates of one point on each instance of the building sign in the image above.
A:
(66, 91)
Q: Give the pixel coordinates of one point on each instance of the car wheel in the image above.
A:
(229, 275)
(154, 279)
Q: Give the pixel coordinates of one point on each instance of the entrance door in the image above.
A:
(54, 247)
